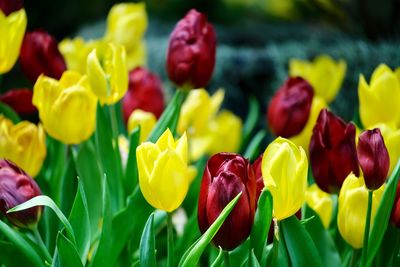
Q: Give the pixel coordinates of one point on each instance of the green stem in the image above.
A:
(364, 257)
(41, 244)
(114, 123)
(170, 236)
(227, 259)
(353, 258)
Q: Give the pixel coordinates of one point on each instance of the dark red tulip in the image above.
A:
(290, 107)
(144, 92)
(258, 174)
(9, 6)
(373, 158)
(395, 218)
(191, 51)
(225, 176)
(40, 55)
(16, 187)
(20, 100)
(333, 153)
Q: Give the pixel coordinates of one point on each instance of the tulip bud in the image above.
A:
(10, 6)
(17, 187)
(373, 158)
(258, 174)
(395, 218)
(191, 51)
(225, 176)
(290, 107)
(353, 201)
(146, 120)
(20, 100)
(144, 92)
(333, 153)
(284, 169)
(40, 55)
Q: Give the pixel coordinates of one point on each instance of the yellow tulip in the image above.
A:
(136, 57)
(164, 176)
(146, 120)
(23, 143)
(67, 108)
(126, 24)
(12, 30)
(353, 202)
(284, 169)
(107, 74)
(379, 99)
(324, 74)
(321, 202)
(303, 138)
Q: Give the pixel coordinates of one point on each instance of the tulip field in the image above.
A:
(103, 164)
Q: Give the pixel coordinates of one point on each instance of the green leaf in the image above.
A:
(147, 254)
(190, 234)
(9, 113)
(252, 260)
(253, 150)
(262, 223)
(219, 260)
(277, 256)
(21, 245)
(48, 202)
(10, 256)
(192, 256)
(67, 254)
(383, 215)
(79, 219)
(251, 120)
(131, 172)
(300, 246)
(69, 186)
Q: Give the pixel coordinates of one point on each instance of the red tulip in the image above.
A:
(20, 100)
(16, 187)
(290, 107)
(333, 153)
(40, 55)
(259, 178)
(9, 6)
(144, 92)
(373, 158)
(225, 176)
(395, 218)
(191, 51)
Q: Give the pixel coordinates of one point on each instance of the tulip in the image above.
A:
(67, 108)
(391, 136)
(16, 187)
(373, 158)
(12, 29)
(333, 153)
(164, 176)
(106, 71)
(321, 202)
(284, 169)
(353, 199)
(289, 109)
(10, 6)
(225, 176)
(146, 121)
(20, 100)
(23, 143)
(258, 174)
(145, 92)
(40, 55)
(378, 100)
(324, 74)
(191, 51)
(395, 217)
(136, 57)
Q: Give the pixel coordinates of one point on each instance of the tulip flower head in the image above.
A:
(353, 199)
(24, 143)
(146, 121)
(391, 136)
(333, 153)
(16, 187)
(191, 51)
(225, 176)
(67, 108)
(289, 109)
(321, 202)
(284, 169)
(258, 174)
(20, 100)
(373, 158)
(10, 6)
(164, 176)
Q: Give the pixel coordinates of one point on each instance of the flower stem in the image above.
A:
(41, 245)
(170, 236)
(227, 259)
(114, 123)
(364, 257)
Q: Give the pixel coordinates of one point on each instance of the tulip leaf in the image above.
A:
(252, 260)
(382, 216)
(10, 256)
(251, 120)
(21, 245)
(9, 113)
(147, 254)
(326, 246)
(252, 150)
(48, 202)
(131, 172)
(192, 255)
(190, 234)
(219, 259)
(79, 219)
(262, 223)
(67, 254)
(301, 248)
